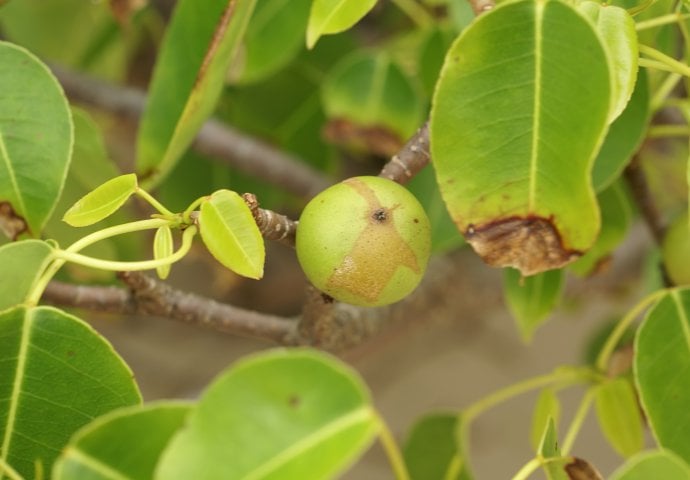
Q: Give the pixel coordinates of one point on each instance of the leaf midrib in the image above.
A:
(536, 123)
(16, 386)
(13, 179)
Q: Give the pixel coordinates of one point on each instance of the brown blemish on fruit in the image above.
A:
(11, 224)
(531, 244)
(364, 271)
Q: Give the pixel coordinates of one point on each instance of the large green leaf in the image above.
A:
(334, 16)
(22, 263)
(619, 416)
(532, 299)
(231, 235)
(662, 370)
(35, 141)
(188, 78)
(624, 137)
(285, 414)
(519, 111)
(58, 375)
(124, 444)
(431, 448)
(660, 464)
(275, 36)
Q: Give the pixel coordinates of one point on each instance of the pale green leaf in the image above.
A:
(430, 450)
(661, 464)
(619, 416)
(36, 138)
(190, 71)
(231, 235)
(282, 414)
(101, 202)
(617, 30)
(616, 216)
(547, 408)
(370, 90)
(123, 444)
(532, 299)
(662, 370)
(514, 133)
(58, 375)
(548, 448)
(22, 264)
(274, 37)
(334, 16)
(163, 247)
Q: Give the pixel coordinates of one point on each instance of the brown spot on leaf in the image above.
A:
(11, 224)
(375, 139)
(377, 253)
(580, 469)
(532, 244)
(294, 401)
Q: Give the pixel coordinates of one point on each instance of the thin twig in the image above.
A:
(272, 225)
(414, 156)
(215, 139)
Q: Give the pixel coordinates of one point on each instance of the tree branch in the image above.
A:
(414, 156)
(215, 139)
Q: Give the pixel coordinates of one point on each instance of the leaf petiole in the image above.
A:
(577, 421)
(186, 215)
(6, 469)
(153, 202)
(662, 20)
(662, 61)
(392, 450)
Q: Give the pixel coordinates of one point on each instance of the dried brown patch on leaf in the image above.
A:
(580, 469)
(374, 139)
(362, 269)
(531, 245)
(11, 224)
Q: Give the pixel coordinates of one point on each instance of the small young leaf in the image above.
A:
(524, 126)
(431, 447)
(274, 37)
(36, 138)
(548, 448)
(190, 71)
(101, 202)
(231, 235)
(619, 416)
(58, 374)
(532, 299)
(127, 442)
(547, 408)
(334, 16)
(661, 464)
(617, 30)
(163, 247)
(22, 263)
(662, 370)
(281, 414)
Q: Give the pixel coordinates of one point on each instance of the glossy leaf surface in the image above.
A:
(431, 446)
(274, 37)
(662, 370)
(22, 263)
(123, 444)
(293, 414)
(532, 299)
(163, 247)
(36, 138)
(334, 16)
(231, 235)
(198, 48)
(617, 30)
(619, 416)
(101, 202)
(547, 408)
(653, 464)
(59, 374)
(514, 132)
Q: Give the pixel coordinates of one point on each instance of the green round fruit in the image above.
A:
(675, 251)
(364, 241)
